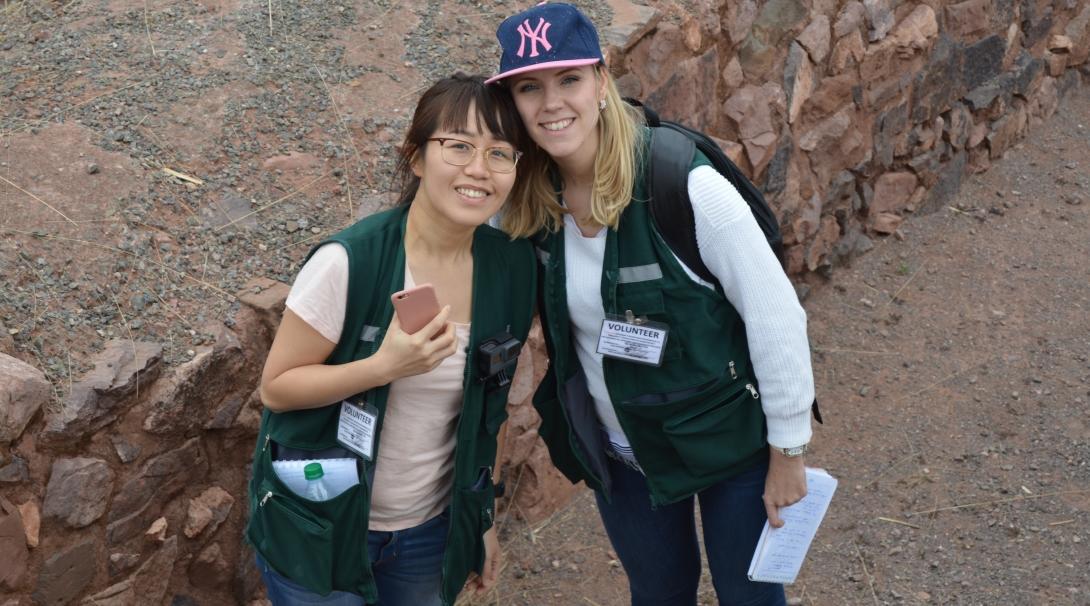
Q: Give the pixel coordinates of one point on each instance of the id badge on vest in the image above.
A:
(356, 428)
(633, 339)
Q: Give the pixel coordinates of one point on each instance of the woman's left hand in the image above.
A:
(481, 584)
(785, 485)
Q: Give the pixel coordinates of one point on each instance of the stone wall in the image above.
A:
(852, 115)
(132, 490)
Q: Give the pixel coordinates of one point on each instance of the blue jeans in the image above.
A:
(659, 550)
(407, 564)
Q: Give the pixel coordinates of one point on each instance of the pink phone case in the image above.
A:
(415, 307)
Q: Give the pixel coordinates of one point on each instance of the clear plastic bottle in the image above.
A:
(316, 489)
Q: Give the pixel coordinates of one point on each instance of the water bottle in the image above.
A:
(316, 490)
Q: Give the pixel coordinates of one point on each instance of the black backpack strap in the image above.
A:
(671, 209)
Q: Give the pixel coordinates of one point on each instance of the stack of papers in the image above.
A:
(781, 551)
(338, 475)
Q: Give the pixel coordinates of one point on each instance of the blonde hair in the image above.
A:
(616, 164)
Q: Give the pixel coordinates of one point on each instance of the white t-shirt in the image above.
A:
(414, 463)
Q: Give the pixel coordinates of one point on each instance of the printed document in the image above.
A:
(781, 551)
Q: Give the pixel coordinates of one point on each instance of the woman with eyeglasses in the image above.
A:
(404, 425)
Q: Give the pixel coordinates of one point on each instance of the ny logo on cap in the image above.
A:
(535, 35)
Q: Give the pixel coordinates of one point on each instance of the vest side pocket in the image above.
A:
(712, 438)
(295, 542)
(321, 545)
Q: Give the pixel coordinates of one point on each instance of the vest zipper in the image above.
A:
(733, 374)
(268, 495)
(265, 446)
(753, 391)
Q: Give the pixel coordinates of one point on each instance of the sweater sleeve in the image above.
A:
(734, 248)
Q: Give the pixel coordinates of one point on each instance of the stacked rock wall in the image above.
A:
(852, 115)
(132, 489)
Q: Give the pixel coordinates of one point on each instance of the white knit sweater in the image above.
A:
(734, 249)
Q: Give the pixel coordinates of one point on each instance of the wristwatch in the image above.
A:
(794, 451)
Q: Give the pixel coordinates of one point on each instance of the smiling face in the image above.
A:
(463, 195)
(560, 110)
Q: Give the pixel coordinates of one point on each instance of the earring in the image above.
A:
(602, 104)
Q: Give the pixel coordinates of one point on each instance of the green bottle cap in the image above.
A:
(313, 471)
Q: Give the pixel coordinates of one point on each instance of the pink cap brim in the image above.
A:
(540, 66)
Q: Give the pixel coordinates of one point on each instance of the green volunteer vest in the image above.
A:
(323, 545)
(694, 420)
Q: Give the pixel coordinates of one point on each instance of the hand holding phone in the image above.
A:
(415, 307)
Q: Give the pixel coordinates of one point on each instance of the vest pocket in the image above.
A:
(646, 301)
(283, 531)
(472, 515)
(713, 435)
(320, 545)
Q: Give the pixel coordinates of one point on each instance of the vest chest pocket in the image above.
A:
(645, 300)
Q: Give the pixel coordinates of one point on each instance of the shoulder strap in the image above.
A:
(671, 209)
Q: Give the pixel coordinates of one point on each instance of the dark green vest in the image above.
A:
(323, 545)
(692, 421)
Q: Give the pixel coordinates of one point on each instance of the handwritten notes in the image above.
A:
(781, 551)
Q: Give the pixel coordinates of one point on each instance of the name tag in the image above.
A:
(356, 428)
(633, 340)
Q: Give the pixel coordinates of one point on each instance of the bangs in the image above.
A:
(492, 107)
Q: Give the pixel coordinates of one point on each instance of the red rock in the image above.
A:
(13, 547)
(732, 74)
(818, 252)
(1078, 31)
(157, 531)
(23, 390)
(631, 22)
(880, 18)
(968, 17)
(78, 491)
(698, 76)
(691, 35)
(740, 18)
(1058, 43)
(65, 574)
(1057, 63)
(750, 110)
(148, 585)
(848, 51)
(815, 38)
(32, 523)
(849, 19)
(892, 192)
(977, 134)
(265, 295)
(654, 58)
(292, 162)
(885, 223)
(826, 132)
(208, 511)
(832, 95)
(210, 569)
(98, 398)
(799, 75)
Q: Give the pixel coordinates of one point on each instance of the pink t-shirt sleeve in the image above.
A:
(320, 292)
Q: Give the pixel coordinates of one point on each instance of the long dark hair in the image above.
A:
(445, 106)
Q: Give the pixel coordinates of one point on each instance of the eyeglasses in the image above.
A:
(460, 153)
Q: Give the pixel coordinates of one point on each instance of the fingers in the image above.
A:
(437, 323)
(773, 513)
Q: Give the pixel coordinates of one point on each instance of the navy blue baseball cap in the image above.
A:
(547, 36)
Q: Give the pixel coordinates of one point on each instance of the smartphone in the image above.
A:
(415, 307)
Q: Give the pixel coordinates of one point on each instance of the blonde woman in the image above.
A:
(663, 389)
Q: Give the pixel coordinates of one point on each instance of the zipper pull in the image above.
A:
(265, 446)
(753, 391)
(268, 495)
(733, 375)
